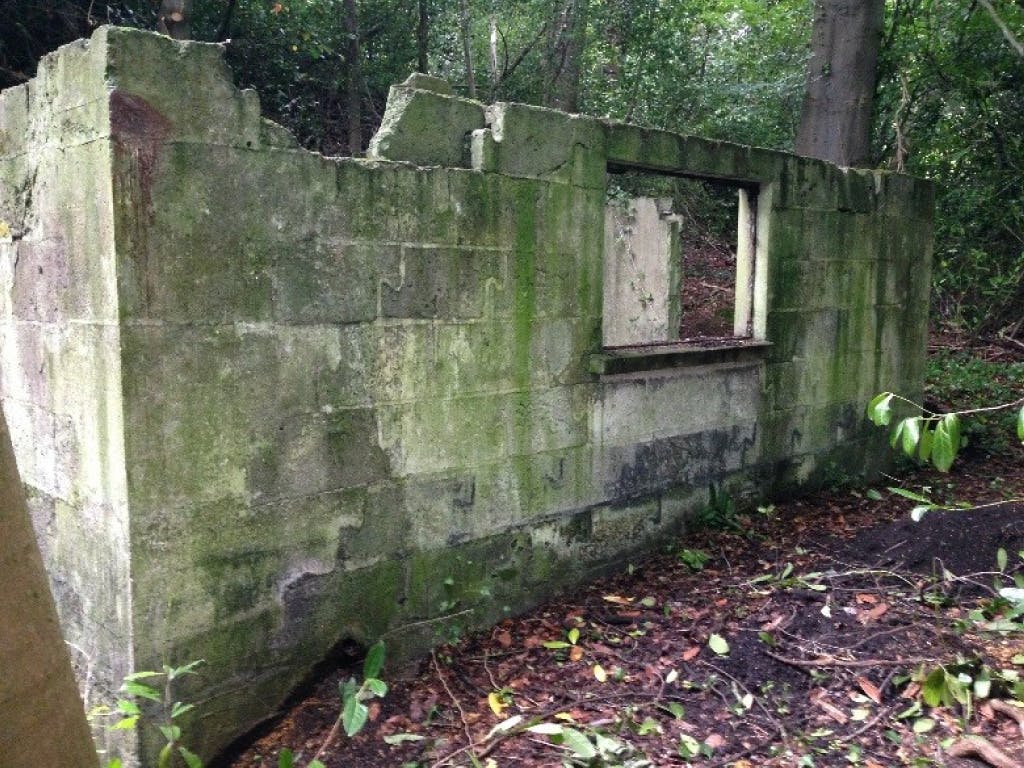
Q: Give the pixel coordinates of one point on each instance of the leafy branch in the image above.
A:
(931, 436)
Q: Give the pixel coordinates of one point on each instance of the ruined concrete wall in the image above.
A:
(343, 398)
(60, 351)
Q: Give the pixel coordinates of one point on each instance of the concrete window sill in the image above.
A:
(682, 354)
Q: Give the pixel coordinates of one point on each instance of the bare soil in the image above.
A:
(832, 607)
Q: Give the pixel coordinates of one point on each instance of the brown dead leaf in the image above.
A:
(715, 741)
(870, 689)
(911, 691)
(866, 597)
(533, 642)
(575, 653)
(374, 712)
(618, 600)
(867, 617)
(504, 638)
(691, 653)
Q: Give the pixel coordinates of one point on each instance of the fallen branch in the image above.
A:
(976, 746)
(1006, 708)
(831, 661)
(455, 701)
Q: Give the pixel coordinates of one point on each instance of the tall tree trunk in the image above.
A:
(353, 100)
(43, 720)
(175, 19)
(422, 37)
(565, 55)
(835, 123)
(467, 51)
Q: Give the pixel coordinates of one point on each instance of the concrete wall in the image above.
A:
(266, 401)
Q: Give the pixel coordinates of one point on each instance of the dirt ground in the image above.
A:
(831, 608)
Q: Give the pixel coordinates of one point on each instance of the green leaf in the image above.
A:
(925, 445)
(910, 495)
(1020, 424)
(191, 759)
(578, 743)
(125, 724)
(142, 676)
(163, 760)
(718, 644)
(378, 687)
(115, 763)
(897, 434)
(316, 764)
(923, 725)
(286, 759)
(171, 732)
(374, 662)
(911, 435)
(1001, 559)
(353, 716)
(932, 689)
(180, 709)
(188, 669)
(128, 707)
(880, 409)
(946, 443)
(873, 494)
(573, 635)
(555, 645)
(141, 690)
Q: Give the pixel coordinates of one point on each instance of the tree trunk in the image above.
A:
(175, 19)
(467, 51)
(353, 100)
(422, 37)
(835, 123)
(43, 720)
(565, 55)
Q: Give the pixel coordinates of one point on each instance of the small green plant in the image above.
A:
(354, 712)
(720, 511)
(590, 748)
(150, 700)
(694, 559)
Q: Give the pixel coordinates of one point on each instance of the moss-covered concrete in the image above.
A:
(266, 402)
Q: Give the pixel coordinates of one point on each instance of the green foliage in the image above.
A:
(958, 380)
(354, 711)
(694, 559)
(930, 437)
(951, 92)
(150, 701)
(719, 513)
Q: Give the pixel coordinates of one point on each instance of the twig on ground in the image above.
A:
(452, 696)
(771, 717)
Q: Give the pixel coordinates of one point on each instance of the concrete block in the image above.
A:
(442, 283)
(426, 127)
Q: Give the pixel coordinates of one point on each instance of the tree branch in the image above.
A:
(1007, 32)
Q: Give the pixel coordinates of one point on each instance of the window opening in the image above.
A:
(679, 261)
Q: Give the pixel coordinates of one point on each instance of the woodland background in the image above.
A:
(943, 98)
